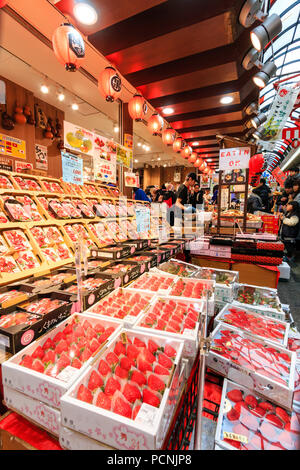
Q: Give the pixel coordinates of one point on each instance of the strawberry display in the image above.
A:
(127, 375)
(95, 264)
(88, 284)
(191, 288)
(178, 268)
(30, 208)
(116, 232)
(58, 209)
(51, 280)
(90, 189)
(252, 354)
(17, 240)
(27, 183)
(3, 218)
(43, 306)
(77, 232)
(171, 315)
(100, 232)
(71, 209)
(220, 276)
(70, 347)
(153, 282)
(140, 258)
(85, 210)
(45, 204)
(40, 236)
(5, 183)
(253, 424)
(11, 295)
(254, 323)
(253, 295)
(63, 251)
(8, 265)
(121, 303)
(53, 234)
(3, 246)
(50, 254)
(53, 187)
(294, 343)
(118, 268)
(26, 260)
(17, 318)
(15, 210)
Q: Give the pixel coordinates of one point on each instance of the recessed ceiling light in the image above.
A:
(60, 96)
(139, 144)
(194, 144)
(158, 158)
(136, 161)
(116, 129)
(165, 165)
(85, 13)
(75, 107)
(44, 89)
(226, 100)
(168, 111)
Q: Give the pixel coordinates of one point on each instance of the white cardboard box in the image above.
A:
(223, 292)
(72, 440)
(285, 271)
(149, 428)
(260, 308)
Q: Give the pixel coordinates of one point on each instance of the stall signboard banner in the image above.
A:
(12, 147)
(280, 111)
(279, 176)
(142, 219)
(289, 133)
(105, 171)
(78, 139)
(41, 157)
(21, 166)
(234, 158)
(131, 180)
(6, 164)
(104, 148)
(204, 181)
(128, 141)
(224, 198)
(72, 168)
(124, 156)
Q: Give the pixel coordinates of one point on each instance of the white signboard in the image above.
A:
(234, 158)
(78, 139)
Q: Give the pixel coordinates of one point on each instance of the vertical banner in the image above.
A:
(125, 156)
(104, 159)
(72, 168)
(280, 111)
(279, 176)
(41, 157)
(128, 141)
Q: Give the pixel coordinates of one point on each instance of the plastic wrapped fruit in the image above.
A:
(16, 211)
(192, 289)
(53, 234)
(121, 303)
(252, 295)
(17, 318)
(178, 268)
(17, 240)
(8, 265)
(50, 254)
(5, 183)
(30, 208)
(40, 236)
(43, 306)
(153, 282)
(28, 184)
(26, 260)
(3, 246)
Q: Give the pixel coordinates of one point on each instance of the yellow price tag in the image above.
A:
(235, 437)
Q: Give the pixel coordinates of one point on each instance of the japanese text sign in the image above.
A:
(234, 158)
(72, 168)
(279, 176)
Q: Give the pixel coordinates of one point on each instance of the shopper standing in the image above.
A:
(183, 195)
(196, 197)
(140, 195)
(289, 229)
(264, 191)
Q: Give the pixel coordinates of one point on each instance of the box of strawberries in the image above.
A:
(12, 295)
(127, 396)
(253, 362)
(112, 252)
(262, 300)
(249, 422)
(127, 271)
(46, 368)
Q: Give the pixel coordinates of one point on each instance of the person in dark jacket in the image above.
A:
(289, 228)
(140, 195)
(264, 191)
(254, 202)
(196, 198)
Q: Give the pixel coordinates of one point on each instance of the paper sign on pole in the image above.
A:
(234, 158)
(41, 157)
(72, 168)
(279, 176)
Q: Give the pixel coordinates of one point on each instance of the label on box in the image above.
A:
(67, 374)
(4, 341)
(190, 334)
(130, 319)
(235, 437)
(147, 415)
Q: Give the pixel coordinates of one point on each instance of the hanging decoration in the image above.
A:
(168, 136)
(3, 3)
(198, 162)
(186, 152)
(155, 124)
(68, 47)
(193, 157)
(137, 108)
(178, 144)
(110, 84)
(256, 163)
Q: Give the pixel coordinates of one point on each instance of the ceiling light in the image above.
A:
(144, 146)
(158, 158)
(147, 148)
(209, 160)
(75, 107)
(168, 111)
(116, 129)
(265, 32)
(44, 89)
(258, 120)
(251, 109)
(139, 144)
(259, 133)
(195, 144)
(251, 11)
(60, 96)
(226, 100)
(136, 161)
(165, 165)
(85, 13)
(251, 59)
(262, 78)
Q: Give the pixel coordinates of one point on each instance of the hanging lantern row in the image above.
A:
(110, 84)
(68, 47)
(155, 124)
(137, 108)
(186, 152)
(168, 136)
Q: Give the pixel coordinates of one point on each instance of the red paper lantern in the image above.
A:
(193, 157)
(198, 162)
(3, 3)
(168, 136)
(155, 124)
(110, 84)
(256, 163)
(203, 166)
(186, 152)
(137, 108)
(68, 47)
(206, 170)
(178, 144)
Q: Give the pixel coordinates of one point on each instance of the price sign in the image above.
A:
(72, 168)
(234, 158)
(235, 437)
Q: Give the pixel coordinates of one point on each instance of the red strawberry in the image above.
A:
(146, 355)
(233, 443)
(49, 344)
(82, 343)
(27, 361)
(150, 398)
(132, 352)
(63, 362)
(111, 386)
(62, 346)
(87, 325)
(143, 365)
(90, 334)
(274, 420)
(74, 351)
(155, 383)
(135, 411)
(49, 357)
(283, 415)
(169, 351)
(94, 345)
(38, 353)
(79, 331)
(126, 363)
(58, 337)
(233, 415)
(95, 381)
(84, 394)
(165, 361)
(251, 401)
(122, 373)
(258, 411)
(137, 377)
(112, 359)
(235, 395)
(86, 354)
(152, 346)
(120, 348)
(138, 343)
(38, 365)
(266, 406)
(160, 370)
(99, 328)
(131, 393)
(103, 368)
(76, 363)
(103, 401)
(122, 408)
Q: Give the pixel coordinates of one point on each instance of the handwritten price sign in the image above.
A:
(234, 158)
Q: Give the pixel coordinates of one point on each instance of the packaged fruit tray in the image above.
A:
(125, 305)
(226, 282)
(179, 268)
(12, 295)
(253, 362)
(47, 367)
(176, 319)
(195, 289)
(259, 298)
(127, 396)
(154, 283)
(249, 422)
(294, 342)
(53, 280)
(126, 270)
(275, 331)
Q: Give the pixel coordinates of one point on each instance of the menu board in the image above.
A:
(78, 139)
(124, 156)
(72, 168)
(12, 147)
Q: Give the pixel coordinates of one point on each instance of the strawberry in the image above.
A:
(38, 353)
(86, 325)
(155, 383)
(235, 395)
(27, 361)
(61, 346)
(112, 359)
(251, 401)
(122, 373)
(169, 351)
(143, 365)
(94, 345)
(103, 401)
(138, 343)
(76, 363)
(146, 355)
(137, 377)
(135, 411)
(165, 361)
(103, 368)
(233, 415)
(160, 370)
(272, 418)
(126, 363)
(38, 365)
(49, 344)
(79, 331)
(50, 356)
(132, 352)
(131, 393)
(233, 443)
(95, 381)
(99, 328)
(282, 414)
(120, 348)
(150, 398)
(81, 343)
(266, 406)
(258, 411)
(90, 334)
(152, 346)
(63, 362)
(86, 354)
(58, 337)
(84, 394)
(122, 408)
(111, 386)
